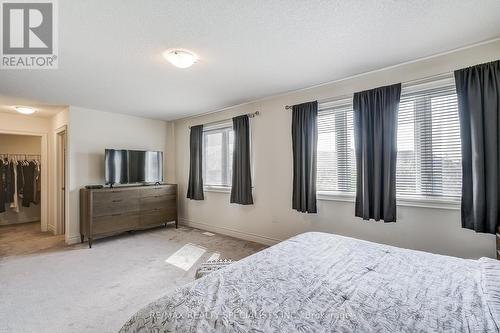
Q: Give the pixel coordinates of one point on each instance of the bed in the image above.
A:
(318, 282)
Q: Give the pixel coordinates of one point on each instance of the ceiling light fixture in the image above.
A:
(180, 58)
(25, 110)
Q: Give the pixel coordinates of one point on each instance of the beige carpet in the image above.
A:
(98, 289)
(26, 238)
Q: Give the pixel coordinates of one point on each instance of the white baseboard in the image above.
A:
(230, 232)
(73, 239)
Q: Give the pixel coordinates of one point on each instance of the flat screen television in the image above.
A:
(133, 166)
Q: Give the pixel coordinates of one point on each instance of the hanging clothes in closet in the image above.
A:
(19, 182)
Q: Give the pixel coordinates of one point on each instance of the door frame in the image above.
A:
(44, 188)
(59, 227)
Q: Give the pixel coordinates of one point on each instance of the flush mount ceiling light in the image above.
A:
(180, 58)
(25, 110)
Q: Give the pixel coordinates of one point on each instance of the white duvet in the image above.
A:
(318, 282)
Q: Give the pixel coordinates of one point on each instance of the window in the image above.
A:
(429, 152)
(218, 155)
(336, 163)
(429, 164)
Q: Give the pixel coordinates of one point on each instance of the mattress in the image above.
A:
(318, 282)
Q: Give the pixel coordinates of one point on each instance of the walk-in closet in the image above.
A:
(33, 178)
(20, 180)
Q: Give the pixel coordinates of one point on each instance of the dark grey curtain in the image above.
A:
(304, 144)
(241, 188)
(375, 130)
(478, 90)
(195, 184)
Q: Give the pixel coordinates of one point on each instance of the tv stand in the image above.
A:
(109, 211)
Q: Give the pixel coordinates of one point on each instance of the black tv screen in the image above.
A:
(133, 166)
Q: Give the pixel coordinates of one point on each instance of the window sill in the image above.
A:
(217, 189)
(335, 196)
(429, 203)
(405, 202)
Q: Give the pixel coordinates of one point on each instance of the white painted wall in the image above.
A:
(13, 122)
(91, 132)
(272, 219)
(25, 144)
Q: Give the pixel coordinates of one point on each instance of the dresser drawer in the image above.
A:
(110, 196)
(115, 205)
(152, 191)
(157, 216)
(115, 223)
(158, 201)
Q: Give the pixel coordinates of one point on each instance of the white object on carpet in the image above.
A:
(186, 256)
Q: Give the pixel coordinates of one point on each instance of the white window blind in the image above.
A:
(429, 151)
(336, 161)
(218, 155)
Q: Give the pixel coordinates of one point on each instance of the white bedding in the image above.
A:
(318, 282)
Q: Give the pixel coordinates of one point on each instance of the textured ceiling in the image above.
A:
(110, 51)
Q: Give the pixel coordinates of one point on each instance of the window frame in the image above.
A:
(401, 200)
(442, 82)
(223, 127)
(328, 108)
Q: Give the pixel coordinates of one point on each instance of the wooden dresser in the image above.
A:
(109, 211)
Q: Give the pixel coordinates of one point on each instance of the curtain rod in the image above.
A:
(26, 156)
(441, 76)
(250, 115)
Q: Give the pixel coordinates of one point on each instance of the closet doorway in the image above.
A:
(21, 179)
(25, 229)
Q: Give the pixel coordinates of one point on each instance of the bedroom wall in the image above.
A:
(26, 144)
(271, 218)
(14, 122)
(91, 132)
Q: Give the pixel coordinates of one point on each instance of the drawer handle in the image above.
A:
(118, 200)
(116, 215)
